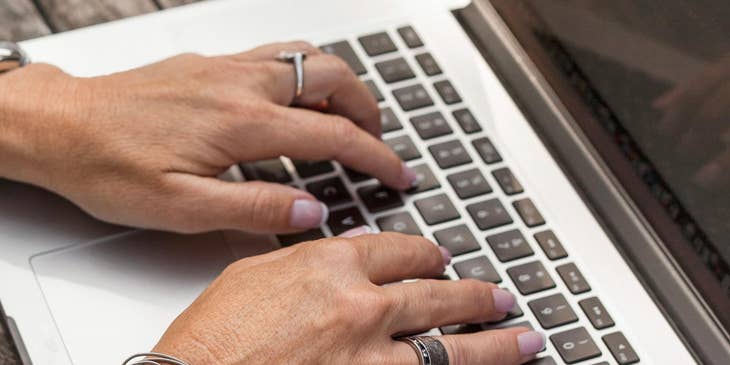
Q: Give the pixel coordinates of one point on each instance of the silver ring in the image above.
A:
(296, 59)
(430, 350)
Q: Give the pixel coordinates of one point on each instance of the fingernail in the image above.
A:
(530, 342)
(504, 301)
(307, 213)
(410, 177)
(445, 254)
(359, 231)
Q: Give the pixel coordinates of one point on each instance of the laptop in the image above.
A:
(535, 127)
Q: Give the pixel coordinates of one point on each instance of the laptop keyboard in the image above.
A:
(468, 199)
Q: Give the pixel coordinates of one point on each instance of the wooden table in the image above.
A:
(26, 19)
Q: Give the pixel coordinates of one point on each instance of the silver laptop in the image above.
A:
(531, 126)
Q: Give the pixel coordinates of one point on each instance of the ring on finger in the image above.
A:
(297, 60)
(430, 351)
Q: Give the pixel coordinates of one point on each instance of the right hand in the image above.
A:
(341, 301)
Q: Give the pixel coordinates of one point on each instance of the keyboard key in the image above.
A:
(447, 92)
(428, 64)
(399, 222)
(458, 240)
(378, 198)
(356, 176)
(436, 209)
(456, 329)
(343, 50)
(573, 278)
(412, 97)
(449, 154)
(410, 37)
(330, 191)
(489, 214)
(425, 180)
(575, 345)
(307, 169)
(345, 219)
(509, 245)
(596, 313)
(294, 238)
(530, 277)
(377, 44)
(477, 268)
(507, 181)
(603, 363)
(388, 121)
(620, 348)
(542, 361)
(431, 125)
(466, 120)
(269, 170)
(528, 212)
(486, 150)
(469, 183)
(395, 70)
(550, 244)
(552, 311)
(403, 147)
(374, 90)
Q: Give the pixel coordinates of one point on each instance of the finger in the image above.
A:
(389, 257)
(510, 346)
(270, 51)
(251, 206)
(427, 304)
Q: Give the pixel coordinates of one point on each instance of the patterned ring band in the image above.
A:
(430, 350)
(153, 358)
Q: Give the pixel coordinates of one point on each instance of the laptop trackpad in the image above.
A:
(115, 297)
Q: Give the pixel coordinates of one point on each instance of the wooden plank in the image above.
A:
(173, 3)
(71, 14)
(20, 20)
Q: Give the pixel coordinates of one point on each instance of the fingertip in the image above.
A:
(530, 342)
(307, 213)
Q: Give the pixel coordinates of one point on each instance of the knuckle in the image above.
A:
(259, 208)
(338, 66)
(304, 46)
(344, 133)
(338, 251)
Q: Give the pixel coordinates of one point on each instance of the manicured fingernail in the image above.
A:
(445, 254)
(359, 231)
(307, 213)
(530, 342)
(504, 301)
(410, 177)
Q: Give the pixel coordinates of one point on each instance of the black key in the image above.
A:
(307, 169)
(542, 361)
(374, 90)
(551, 245)
(356, 176)
(345, 219)
(596, 313)
(525, 324)
(431, 125)
(436, 209)
(573, 278)
(486, 150)
(378, 198)
(466, 120)
(509, 245)
(410, 37)
(575, 345)
(449, 154)
(377, 44)
(469, 183)
(530, 277)
(458, 240)
(507, 181)
(395, 70)
(477, 268)
(456, 329)
(403, 147)
(294, 238)
(269, 170)
(603, 363)
(330, 191)
(399, 222)
(428, 64)
(425, 180)
(343, 50)
(388, 121)
(620, 348)
(489, 214)
(528, 212)
(447, 92)
(552, 311)
(412, 97)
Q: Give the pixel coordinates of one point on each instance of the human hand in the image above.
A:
(144, 147)
(340, 301)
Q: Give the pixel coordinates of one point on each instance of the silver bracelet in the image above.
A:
(153, 358)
